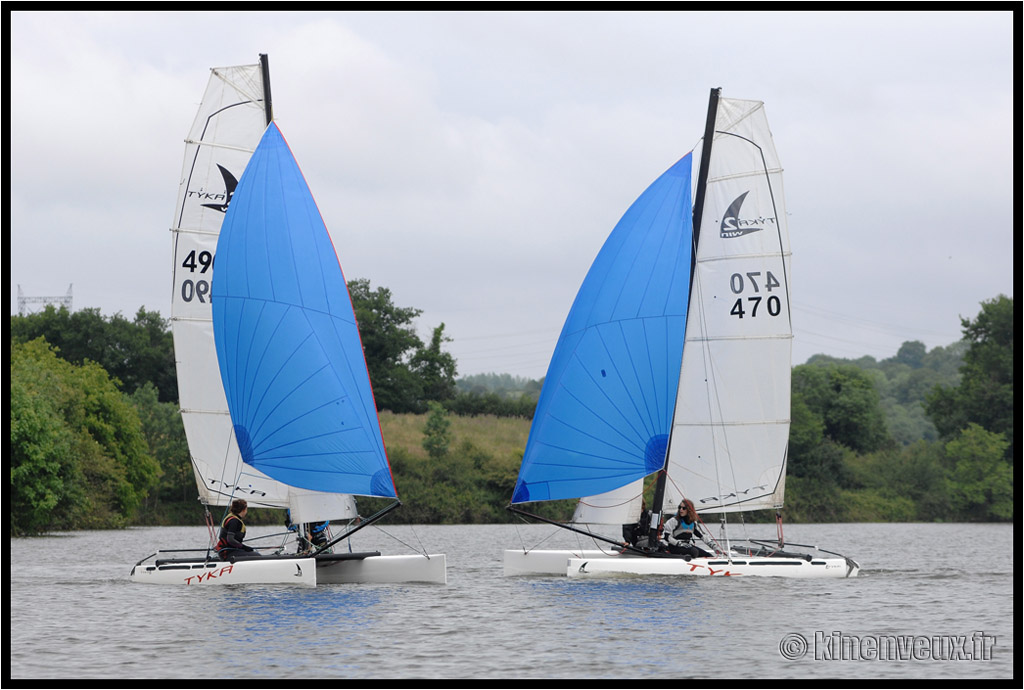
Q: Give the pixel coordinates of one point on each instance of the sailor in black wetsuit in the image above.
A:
(316, 533)
(636, 534)
(232, 533)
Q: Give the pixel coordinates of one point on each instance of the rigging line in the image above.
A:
(237, 86)
(743, 526)
(415, 534)
(697, 294)
(520, 535)
(378, 527)
(593, 538)
(712, 394)
(234, 485)
(709, 539)
(602, 549)
(523, 540)
(613, 505)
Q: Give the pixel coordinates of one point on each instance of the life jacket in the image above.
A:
(318, 533)
(222, 542)
(683, 531)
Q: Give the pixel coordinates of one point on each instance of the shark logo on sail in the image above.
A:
(734, 226)
(221, 199)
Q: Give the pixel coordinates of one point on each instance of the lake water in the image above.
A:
(933, 601)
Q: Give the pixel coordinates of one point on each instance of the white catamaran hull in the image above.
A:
(430, 569)
(291, 571)
(714, 567)
(365, 568)
(547, 562)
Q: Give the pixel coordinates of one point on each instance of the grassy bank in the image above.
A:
(471, 482)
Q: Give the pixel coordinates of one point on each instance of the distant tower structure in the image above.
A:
(24, 302)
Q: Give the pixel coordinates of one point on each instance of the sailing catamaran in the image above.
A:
(675, 362)
(274, 390)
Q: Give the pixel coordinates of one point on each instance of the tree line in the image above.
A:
(860, 451)
(96, 438)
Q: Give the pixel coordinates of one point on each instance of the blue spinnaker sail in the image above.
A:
(288, 346)
(605, 412)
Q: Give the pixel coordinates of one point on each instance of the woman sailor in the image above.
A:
(680, 530)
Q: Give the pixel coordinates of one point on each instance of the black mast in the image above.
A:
(698, 212)
(268, 106)
(702, 175)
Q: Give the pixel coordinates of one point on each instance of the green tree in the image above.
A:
(845, 400)
(44, 479)
(133, 352)
(985, 395)
(981, 480)
(78, 455)
(404, 373)
(165, 435)
(806, 429)
(912, 353)
(389, 339)
(903, 381)
(437, 431)
(436, 369)
(900, 483)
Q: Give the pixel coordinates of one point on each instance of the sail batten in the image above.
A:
(222, 147)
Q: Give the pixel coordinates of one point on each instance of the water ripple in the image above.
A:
(71, 593)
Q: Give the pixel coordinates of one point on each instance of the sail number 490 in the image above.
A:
(199, 289)
(751, 305)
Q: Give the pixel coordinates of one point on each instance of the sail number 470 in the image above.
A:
(199, 289)
(755, 282)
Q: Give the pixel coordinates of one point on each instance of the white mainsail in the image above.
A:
(229, 124)
(731, 426)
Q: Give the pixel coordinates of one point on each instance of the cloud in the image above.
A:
(474, 163)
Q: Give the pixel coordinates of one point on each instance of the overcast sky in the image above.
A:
(474, 163)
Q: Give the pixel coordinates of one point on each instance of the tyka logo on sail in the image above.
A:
(734, 226)
(222, 198)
